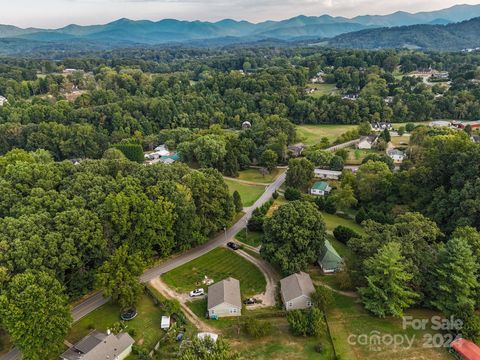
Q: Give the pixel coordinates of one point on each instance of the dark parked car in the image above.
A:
(233, 246)
(249, 301)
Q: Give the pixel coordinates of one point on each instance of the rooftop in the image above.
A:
(296, 285)
(225, 291)
(320, 185)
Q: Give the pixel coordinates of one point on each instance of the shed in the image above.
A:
(320, 188)
(329, 260)
(165, 324)
(465, 349)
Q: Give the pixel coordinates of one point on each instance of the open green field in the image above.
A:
(332, 221)
(146, 325)
(218, 264)
(280, 344)
(347, 320)
(356, 156)
(248, 193)
(312, 134)
(322, 89)
(252, 238)
(254, 175)
(400, 140)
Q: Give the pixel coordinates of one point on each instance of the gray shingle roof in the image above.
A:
(296, 285)
(225, 291)
(99, 346)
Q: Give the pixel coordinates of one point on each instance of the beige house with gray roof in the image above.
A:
(100, 346)
(296, 291)
(224, 299)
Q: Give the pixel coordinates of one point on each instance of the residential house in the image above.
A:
(170, 159)
(381, 125)
(465, 349)
(296, 291)
(162, 150)
(351, 97)
(296, 150)
(246, 125)
(3, 100)
(367, 142)
(320, 188)
(98, 345)
(327, 174)
(329, 260)
(224, 299)
(396, 155)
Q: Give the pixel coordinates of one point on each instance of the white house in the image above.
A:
(327, 174)
(98, 345)
(396, 155)
(320, 188)
(367, 142)
(3, 100)
(224, 299)
(296, 291)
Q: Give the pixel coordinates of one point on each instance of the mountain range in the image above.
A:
(127, 33)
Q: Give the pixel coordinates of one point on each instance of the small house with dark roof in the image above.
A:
(296, 291)
(329, 260)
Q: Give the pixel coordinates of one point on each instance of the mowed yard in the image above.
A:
(254, 175)
(312, 134)
(347, 319)
(248, 192)
(322, 89)
(217, 265)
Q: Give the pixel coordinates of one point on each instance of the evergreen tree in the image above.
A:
(456, 279)
(387, 291)
(237, 201)
(386, 135)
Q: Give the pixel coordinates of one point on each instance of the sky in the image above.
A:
(58, 13)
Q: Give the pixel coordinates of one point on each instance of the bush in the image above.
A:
(275, 195)
(306, 323)
(318, 348)
(256, 328)
(330, 206)
(343, 233)
(292, 194)
(361, 216)
(410, 127)
(133, 152)
(255, 223)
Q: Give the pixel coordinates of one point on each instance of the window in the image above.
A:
(290, 304)
(309, 303)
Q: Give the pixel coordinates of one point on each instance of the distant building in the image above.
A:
(351, 97)
(440, 123)
(3, 100)
(327, 174)
(440, 75)
(396, 155)
(329, 260)
(389, 99)
(476, 138)
(296, 150)
(320, 188)
(165, 323)
(224, 299)
(98, 345)
(296, 291)
(170, 159)
(381, 125)
(367, 142)
(246, 125)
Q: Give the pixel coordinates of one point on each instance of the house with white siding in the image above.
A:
(296, 291)
(224, 299)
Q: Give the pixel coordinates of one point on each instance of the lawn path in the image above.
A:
(271, 276)
(246, 182)
(163, 289)
(350, 294)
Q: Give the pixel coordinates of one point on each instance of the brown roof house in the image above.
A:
(224, 299)
(100, 346)
(296, 291)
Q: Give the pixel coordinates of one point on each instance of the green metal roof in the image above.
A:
(329, 258)
(320, 185)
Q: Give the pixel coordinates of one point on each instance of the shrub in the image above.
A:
(292, 194)
(275, 195)
(318, 348)
(256, 328)
(330, 206)
(361, 216)
(133, 152)
(343, 233)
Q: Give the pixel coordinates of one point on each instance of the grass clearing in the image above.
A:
(322, 89)
(400, 140)
(346, 317)
(254, 175)
(146, 325)
(248, 193)
(252, 238)
(217, 264)
(312, 134)
(356, 156)
(332, 221)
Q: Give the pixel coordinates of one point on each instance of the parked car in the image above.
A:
(197, 292)
(232, 245)
(249, 301)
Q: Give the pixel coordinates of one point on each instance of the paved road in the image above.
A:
(97, 300)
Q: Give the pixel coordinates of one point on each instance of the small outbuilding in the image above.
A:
(296, 291)
(246, 125)
(224, 299)
(165, 323)
(329, 260)
(320, 188)
(327, 174)
(465, 349)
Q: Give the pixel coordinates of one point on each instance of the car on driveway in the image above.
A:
(197, 292)
(232, 245)
(249, 301)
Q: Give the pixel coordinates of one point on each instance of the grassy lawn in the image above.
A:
(146, 325)
(218, 264)
(312, 134)
(400, 140)
(322, 89)
(356, 156)
(252, 238)
(248, 193)
(332, 221)
(254, 175)
(280, 344)
(346, 317)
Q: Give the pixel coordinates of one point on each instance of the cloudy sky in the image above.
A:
(57, 13)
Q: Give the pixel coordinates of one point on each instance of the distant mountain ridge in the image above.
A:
(124, 31)
(454, 37)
